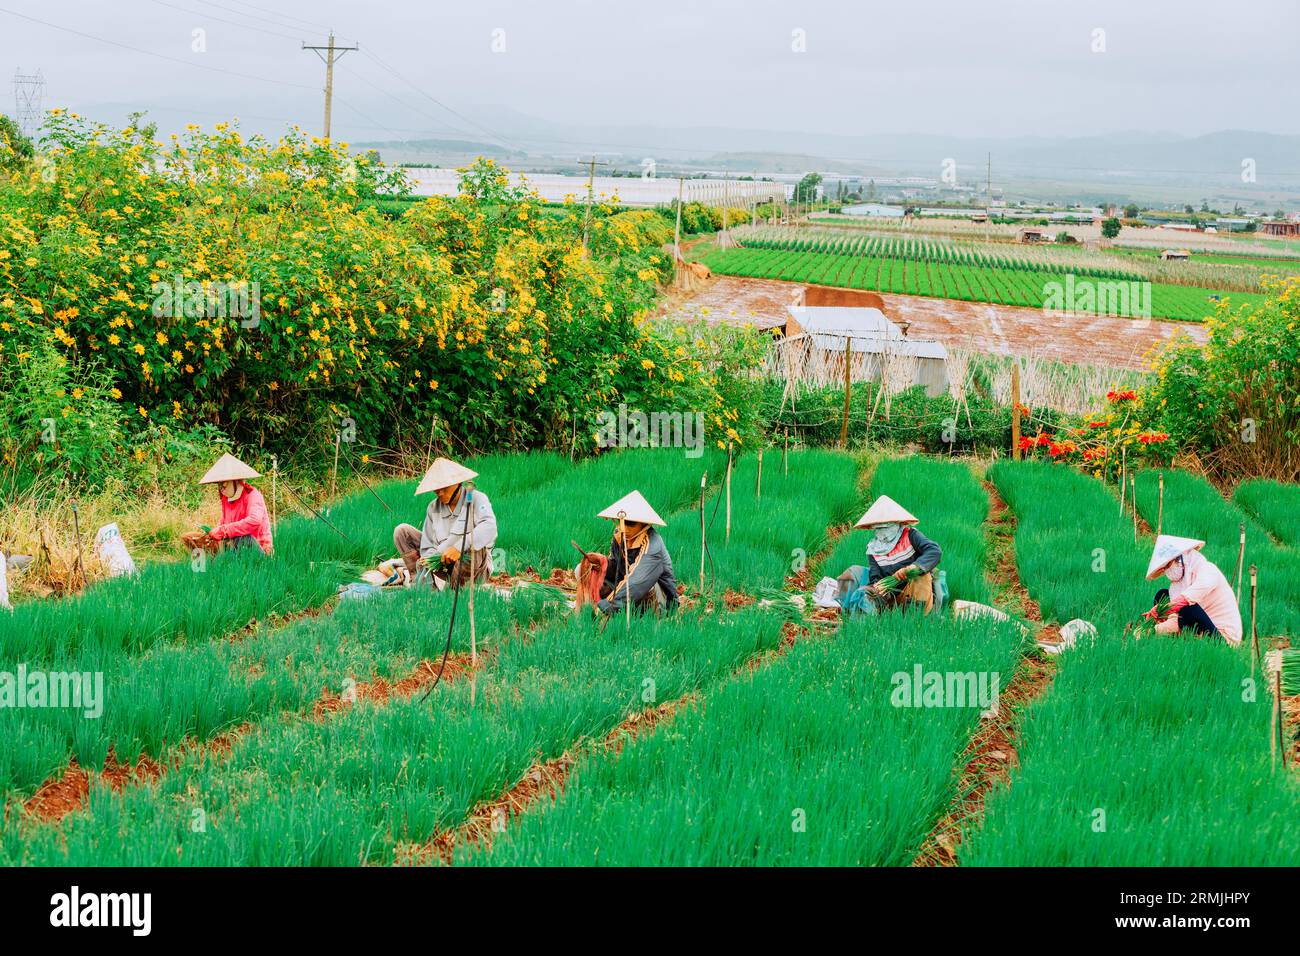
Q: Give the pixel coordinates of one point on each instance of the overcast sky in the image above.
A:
(994, 67)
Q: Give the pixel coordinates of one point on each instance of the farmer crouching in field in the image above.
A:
(244, 520)
(1198, 599)
(458, 518)
(899, 564)
(638, 567)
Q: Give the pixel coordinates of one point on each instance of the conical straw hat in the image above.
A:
(632, 507)
(444, 473)
(228, 468)
(1167, 548)
(885, 510)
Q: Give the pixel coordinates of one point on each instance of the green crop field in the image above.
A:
(779, 740)
(988, 279)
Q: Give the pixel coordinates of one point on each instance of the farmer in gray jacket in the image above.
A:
(900, 563)
(458, 516)
(638, 567)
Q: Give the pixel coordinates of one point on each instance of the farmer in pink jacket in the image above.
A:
(1199, 596)
(244, 519)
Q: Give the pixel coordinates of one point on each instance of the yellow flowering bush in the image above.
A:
(252, 285)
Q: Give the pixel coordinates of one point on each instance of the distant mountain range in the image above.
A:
(1128, 158)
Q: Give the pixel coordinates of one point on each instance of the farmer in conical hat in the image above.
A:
(900, 562)
(244, 519)
(1199, 598)
(638, 567)
(459, 530)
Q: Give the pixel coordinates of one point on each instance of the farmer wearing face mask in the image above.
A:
(244, 519)
(1198, 599)
(638, 567)
(899, 563)
(458, 517)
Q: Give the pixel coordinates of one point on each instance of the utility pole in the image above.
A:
(586, 216)
(988, 200)
(329, 54)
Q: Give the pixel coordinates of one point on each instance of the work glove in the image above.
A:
(1152, 614)
(451, 555)
(901, 574)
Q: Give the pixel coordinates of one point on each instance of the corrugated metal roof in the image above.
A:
(844, 320)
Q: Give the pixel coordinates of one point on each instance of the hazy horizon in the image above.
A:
(473, 71)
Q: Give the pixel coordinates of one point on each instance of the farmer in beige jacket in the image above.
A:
(459, 517)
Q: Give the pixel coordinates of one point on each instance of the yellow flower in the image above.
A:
(143, 413)
(139, 349)
(117, 393)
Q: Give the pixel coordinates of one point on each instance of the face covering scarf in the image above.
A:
(1175, 570)
(892, 542)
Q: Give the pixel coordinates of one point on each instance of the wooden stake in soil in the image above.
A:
(1134, 489)
(473, 636)
(728, 491)
(758, 487)
(334, 475)
(275, 486)
(1015, 410)
(1275, 734)
(1277, 714)
(785, 454)
(1160, 513)
(848, 374)
(76, 530)
(704, 481)
(1123, 478)
(1254, 634)
(1241, 556)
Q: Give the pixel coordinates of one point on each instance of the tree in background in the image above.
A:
(806, 191)
(16, 150)
(1110, 228)
(1131, 211)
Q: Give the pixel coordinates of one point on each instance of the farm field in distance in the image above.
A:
(1002, 274)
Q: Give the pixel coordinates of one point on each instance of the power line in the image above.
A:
(233, 23)
(241, 13)
(161, 56)
(324, 28)
(501, 140)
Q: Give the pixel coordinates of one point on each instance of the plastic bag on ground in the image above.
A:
(112, 551)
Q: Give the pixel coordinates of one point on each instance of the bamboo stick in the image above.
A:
(1254, 634)
(704, 480)
(1133, 480)
(275, 486)
(728, 538)
(1277, 713)
(758, 489)
(1275, 734)
(1160, 514)
(1241, 557)
(334, 475)
(1123, 478)
(1015, 410)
